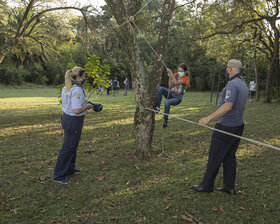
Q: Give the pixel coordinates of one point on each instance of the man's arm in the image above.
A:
(222, 111)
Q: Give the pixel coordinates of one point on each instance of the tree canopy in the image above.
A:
(38, 39)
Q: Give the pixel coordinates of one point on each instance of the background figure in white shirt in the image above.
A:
(252, 87)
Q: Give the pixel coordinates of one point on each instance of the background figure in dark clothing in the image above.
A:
(115, 85)
(109, 88)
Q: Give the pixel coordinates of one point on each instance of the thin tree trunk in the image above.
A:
(273, 70)
(256, 70)
(268, 84)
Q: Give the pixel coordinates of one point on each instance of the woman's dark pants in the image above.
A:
(66, 159)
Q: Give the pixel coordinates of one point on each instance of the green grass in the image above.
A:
(116, 186)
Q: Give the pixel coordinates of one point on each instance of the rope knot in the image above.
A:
(131, 19)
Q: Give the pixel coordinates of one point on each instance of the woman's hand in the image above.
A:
(169, 72)
(89, 106)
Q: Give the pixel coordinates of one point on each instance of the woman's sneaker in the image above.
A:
(157, 109)
(63, 181)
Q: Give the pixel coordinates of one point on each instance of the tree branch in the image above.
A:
(188, 3)
(231, 31)
(50, 10)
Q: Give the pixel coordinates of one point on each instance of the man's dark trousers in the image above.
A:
(222, 150)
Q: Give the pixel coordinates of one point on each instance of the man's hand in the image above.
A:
(204, 120)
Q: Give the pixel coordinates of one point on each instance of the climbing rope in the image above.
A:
(218, 130)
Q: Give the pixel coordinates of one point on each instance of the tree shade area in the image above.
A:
(39, 39)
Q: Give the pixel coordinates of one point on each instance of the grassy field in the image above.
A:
(117, 187)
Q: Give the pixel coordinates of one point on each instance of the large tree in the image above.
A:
(145, 82)
(23, 25)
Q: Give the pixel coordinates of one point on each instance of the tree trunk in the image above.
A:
(256, 70)
(268, 84)
(273, 70)
(145, 84)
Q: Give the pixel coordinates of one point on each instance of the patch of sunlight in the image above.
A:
(25, 128)
(274, 141)
(128, 142)
(248, 149)
(126, 121)
(27, 102)
(244, 153)
(197, 132)
(190, 108)
(181, 115)
(144, 186)
(54, 132)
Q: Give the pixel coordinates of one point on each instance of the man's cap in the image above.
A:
(234, 63)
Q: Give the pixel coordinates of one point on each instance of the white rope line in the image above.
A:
(149, 44)
(131, 19)
(127, 20)
(224, 132)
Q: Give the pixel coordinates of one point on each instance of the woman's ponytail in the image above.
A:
(71, 75)
(68, 80)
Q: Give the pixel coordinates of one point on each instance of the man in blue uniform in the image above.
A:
(230, 119)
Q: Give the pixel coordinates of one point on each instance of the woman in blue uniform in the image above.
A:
(74, 107)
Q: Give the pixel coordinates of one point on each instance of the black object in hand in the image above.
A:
(96, 107)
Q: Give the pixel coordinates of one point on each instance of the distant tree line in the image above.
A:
(38, 43)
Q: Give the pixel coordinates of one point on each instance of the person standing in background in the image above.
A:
(252, 87)
(126, 86)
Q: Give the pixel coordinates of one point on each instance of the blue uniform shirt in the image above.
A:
(236, 92)
(74, 99)
(115, 84)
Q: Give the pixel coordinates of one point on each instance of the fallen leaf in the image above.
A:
(187, 219)
(214, 209)
(101, 178)
(221, 209)
(252, 147)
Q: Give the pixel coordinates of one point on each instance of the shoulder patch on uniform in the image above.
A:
(77, 95)
(227, 94)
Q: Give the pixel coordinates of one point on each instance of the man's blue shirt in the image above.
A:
(236, 92)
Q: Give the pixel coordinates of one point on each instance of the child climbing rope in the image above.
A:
(178, 83)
